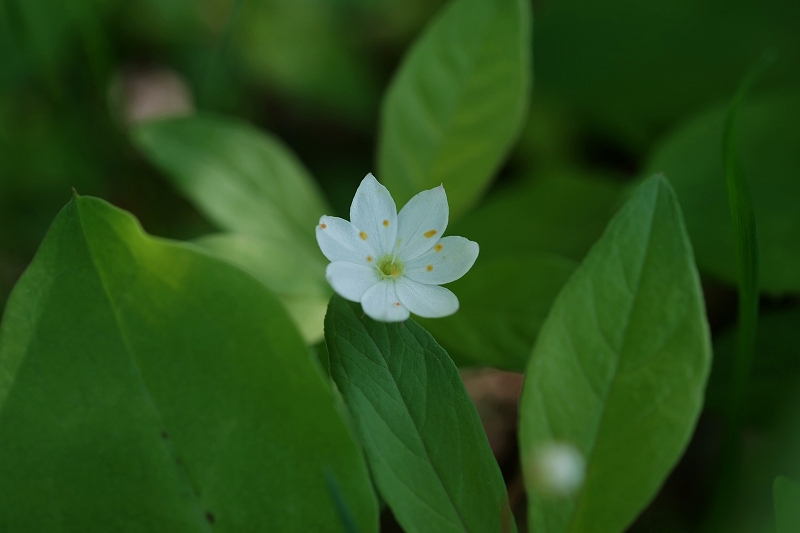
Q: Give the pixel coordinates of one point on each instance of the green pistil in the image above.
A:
(390, 267)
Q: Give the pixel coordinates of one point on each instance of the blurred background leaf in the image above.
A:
(691, 158)
(561, 212)
(787, 505)
(244, 180)
(503, 302)
(456, 104)
(634, 67)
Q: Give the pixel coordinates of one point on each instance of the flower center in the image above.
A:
(390, 267)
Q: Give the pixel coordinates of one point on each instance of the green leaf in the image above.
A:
(619, 367)
(426, 448)
(244, 180)
(457, 102)
(503, 302)
(249, 183)
(692, 158)
(560, 212)
(147, 386)
(787, 505)
(294, 275)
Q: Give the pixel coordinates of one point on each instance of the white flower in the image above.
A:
(394, 263)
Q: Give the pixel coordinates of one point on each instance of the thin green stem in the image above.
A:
(747, 261)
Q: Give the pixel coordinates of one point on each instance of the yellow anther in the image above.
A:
(430, 233)
(438, 247)
(363, 236)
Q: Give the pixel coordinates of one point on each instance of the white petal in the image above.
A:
(449, 259)
(380, 302)
(351, 281)
(373, 212)
(427, 301)
(421, 223)
(339, 240)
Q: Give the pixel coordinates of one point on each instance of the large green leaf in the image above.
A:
(503, 302)
(425, 444)
(147, 386)
(249, 183)
(787, 505)
(457, 102)
(294, 275)
(561, 212)
(619, 367)
(769, 132)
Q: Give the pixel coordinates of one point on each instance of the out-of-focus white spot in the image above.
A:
(556, 469)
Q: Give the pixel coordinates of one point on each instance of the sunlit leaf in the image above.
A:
(619, 367)
(244, 180)
(423, 439)
(147, 386)
(294, 275)
(457, 102)
(249, 183)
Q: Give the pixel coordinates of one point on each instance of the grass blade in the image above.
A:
(746, 240)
